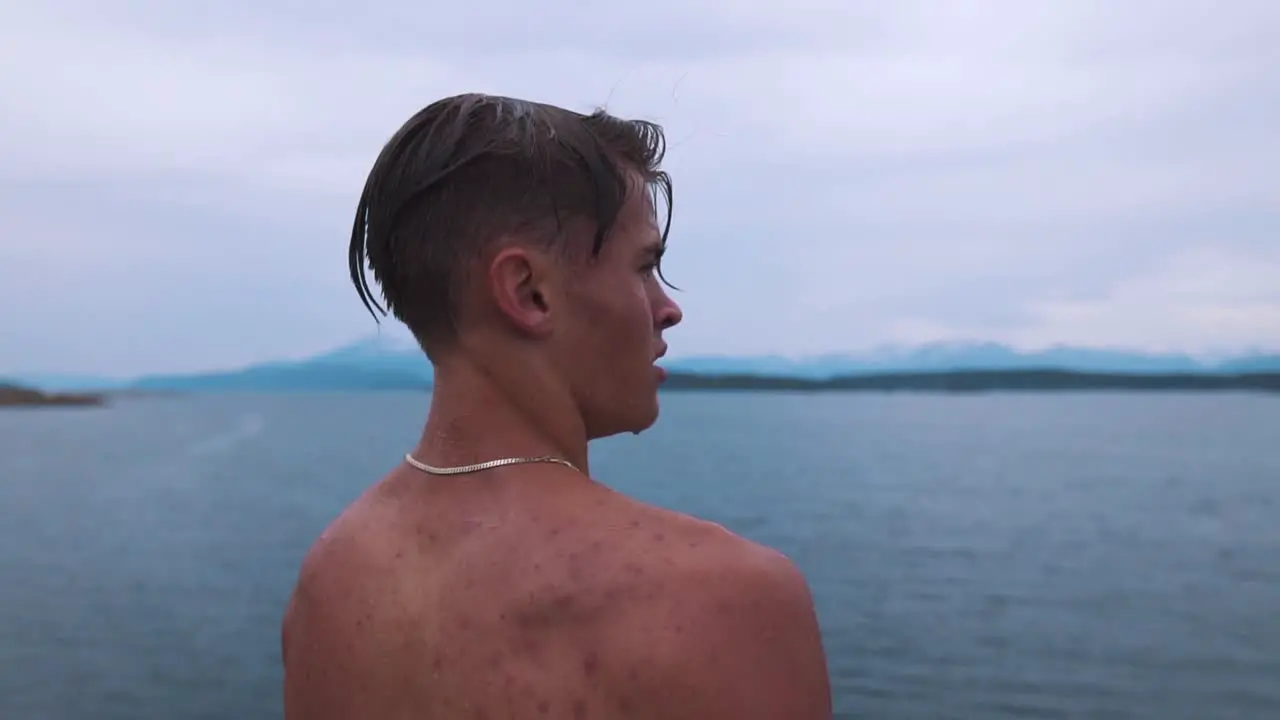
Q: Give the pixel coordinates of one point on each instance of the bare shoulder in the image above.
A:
(339, 630)
(735, 635)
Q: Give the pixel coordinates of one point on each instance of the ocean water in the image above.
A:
(985, 556)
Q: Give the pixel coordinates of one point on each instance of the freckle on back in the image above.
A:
(590, 664)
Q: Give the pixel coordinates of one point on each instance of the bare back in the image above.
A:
(525, 594)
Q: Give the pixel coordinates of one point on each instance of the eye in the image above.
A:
(652, 265)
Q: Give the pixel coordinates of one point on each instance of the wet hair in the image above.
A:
(469, 169)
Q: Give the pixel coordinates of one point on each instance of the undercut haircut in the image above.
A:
(472, 168)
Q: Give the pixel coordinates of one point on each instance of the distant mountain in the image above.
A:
(1251, 364)
(387, 362)
(373, 364)
(947, 357)
(306, 376)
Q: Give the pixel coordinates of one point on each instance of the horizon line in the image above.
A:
(1203, 358)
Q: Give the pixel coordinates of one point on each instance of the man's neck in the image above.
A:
(478, 416)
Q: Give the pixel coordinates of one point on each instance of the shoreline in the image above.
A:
(968, 381)
(24, 397)
(935, 382)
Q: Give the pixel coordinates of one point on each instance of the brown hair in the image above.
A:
(470, 168)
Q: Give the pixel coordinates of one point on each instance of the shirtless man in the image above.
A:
(520, 243)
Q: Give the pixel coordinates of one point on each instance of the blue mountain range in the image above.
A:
(380, 363)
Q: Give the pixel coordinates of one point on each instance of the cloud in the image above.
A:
(1227, 300)
(847, 174)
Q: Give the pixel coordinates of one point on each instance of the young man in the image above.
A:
(488, 575)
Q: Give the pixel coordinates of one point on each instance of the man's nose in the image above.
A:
(669, 315)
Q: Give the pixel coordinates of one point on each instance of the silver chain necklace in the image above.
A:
(488, 465)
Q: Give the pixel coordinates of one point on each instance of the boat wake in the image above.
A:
(249, 427)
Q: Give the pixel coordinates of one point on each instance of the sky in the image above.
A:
(178, 182)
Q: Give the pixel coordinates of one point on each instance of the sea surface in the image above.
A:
(972, 556)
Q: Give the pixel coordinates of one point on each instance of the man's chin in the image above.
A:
(646, 420)
(640, 422)
(640, 419)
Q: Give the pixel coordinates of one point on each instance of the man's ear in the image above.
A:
(520, 280)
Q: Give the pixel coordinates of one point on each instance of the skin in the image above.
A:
(533, 591)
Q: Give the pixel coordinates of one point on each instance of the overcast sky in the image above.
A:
(177, 184)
